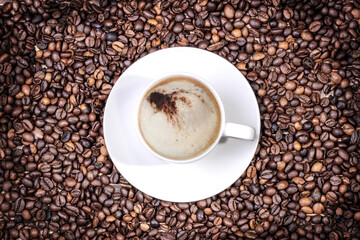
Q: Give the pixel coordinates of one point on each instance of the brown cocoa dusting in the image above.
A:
(200, 97)
(184, 100)
(163, 102)
(166, 103)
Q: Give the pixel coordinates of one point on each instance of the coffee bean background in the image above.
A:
(60, 59)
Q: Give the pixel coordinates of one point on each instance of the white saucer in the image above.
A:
(180, 182)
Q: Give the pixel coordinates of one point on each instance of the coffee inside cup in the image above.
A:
(179, 118)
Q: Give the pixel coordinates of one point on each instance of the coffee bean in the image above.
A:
(307, 36)
(318, 208)
(167, 236)
(70, 182)
(255, 23)
(118, 46)
(229, 11)
(55, 56)
(335, 180)
(90, 69)
(200, 215)
(28, 125)
(48, 157)
(103, 60)
(215, 206)
(23, 63)
(357, 216)
(90, 41)
(4, 57)
(285, 68)
(228, 222)
(217, 221)
(60, 201)
(258, 56)
(28, 137)
(80, 36)
(99, 74)
(267, 174)
(335, 78)
(45, 168)
(72, 210)
(111, 36)
(317, 167)
(282, 185)
(232, 204)
(46, 183)
(24, 234)
(216, 46)
(14, 89)
(19, 205)
(315, 26)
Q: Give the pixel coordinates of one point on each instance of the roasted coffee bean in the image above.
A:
(60, 200)
(335, 180)
(315, 26)
(46, 183)
(48, 157)
(255, 23)
(103, 60)
(118, 46)
(19, 205)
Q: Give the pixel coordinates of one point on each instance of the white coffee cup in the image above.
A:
(227, 129)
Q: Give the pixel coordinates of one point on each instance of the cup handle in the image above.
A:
(235, 130)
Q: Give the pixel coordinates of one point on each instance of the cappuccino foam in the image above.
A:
(179, 118)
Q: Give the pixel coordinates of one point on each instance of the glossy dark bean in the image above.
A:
(255, 23)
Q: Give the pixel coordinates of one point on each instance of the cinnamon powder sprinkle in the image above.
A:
(163, 102)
